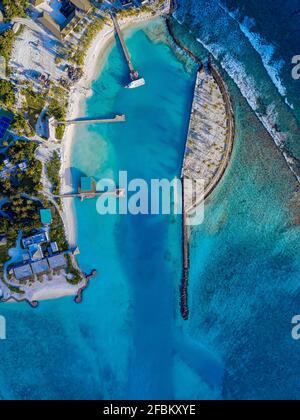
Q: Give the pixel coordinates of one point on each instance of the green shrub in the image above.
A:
(58, 111)
(14, 8)
(6, 44)
(7, 94)
(53, 168)
(75, 273)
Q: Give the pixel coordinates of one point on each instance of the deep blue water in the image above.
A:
(244, 283)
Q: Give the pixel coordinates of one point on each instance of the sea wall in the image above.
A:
(207, 154)
(210, 135)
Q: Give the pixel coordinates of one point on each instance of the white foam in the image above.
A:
(247, 87)
(247, 84)
(265, 49)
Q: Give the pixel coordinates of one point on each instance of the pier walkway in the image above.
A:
(83, 195)
(133, 73)
(83, 121)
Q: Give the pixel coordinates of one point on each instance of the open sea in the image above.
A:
(127, 340)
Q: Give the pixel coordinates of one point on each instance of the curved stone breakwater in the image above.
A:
(211, 133)
(209, 144)
(208, 151)
(79, 296)
(32, 303)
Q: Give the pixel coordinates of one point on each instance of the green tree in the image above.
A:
(14, 8)
(7, 93)
(6, 44)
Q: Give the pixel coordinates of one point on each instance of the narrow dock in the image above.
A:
(83, 121)
(133, 73)
(83, 195)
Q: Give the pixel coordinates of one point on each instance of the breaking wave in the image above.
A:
(227, 40)
(266, 50)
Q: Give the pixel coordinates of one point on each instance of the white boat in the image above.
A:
(136, 83)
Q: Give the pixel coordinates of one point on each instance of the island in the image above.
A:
(49, 54)
(50, 51)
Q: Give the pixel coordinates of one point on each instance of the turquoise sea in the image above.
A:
(127, 340)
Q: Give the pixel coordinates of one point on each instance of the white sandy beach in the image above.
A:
(57, 288)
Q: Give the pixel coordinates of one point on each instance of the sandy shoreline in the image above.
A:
(78, 94)
(58, 287)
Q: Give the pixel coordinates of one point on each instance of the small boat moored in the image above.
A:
(136, 83)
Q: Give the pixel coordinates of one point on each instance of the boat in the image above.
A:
(136, 83)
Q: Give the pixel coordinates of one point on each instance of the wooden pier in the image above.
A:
(83, 121)
(133, 73)
(84, 195)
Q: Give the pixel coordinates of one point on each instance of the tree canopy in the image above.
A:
(7, 93)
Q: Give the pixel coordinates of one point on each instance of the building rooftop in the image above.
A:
(46, 216)
(83, 5)
(40, 267)
(61, 21)
(35, 252)
(39, 238)
(54, 247)
(51, 25)
(23, 272)
(57, 261)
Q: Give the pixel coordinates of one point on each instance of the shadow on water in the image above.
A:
(72, 177)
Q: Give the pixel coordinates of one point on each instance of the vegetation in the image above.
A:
(4, 257)
(6, 44)
(23, 214)
(7, 94)
(14, 8)
(35, 103)
(58, 111)
(75, 273)
(22, 181)
(11, 238)
(57, 232)
(15, 289)
(21, 126)
(53, 168)
(124, 13)
(86, 40)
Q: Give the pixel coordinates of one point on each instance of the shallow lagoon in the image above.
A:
(126, 340)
